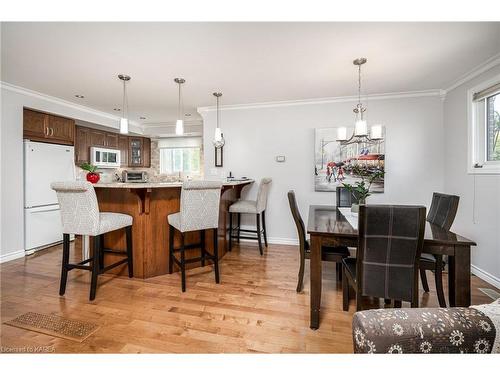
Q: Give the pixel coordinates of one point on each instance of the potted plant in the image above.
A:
(360, 189)
(92, 175)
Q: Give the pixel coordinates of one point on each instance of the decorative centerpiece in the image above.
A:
(92, 175)
(360, 189)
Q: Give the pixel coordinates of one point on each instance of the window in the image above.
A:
(484, 128)
(182, 159)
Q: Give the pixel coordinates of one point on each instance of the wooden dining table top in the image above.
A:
(328, 220)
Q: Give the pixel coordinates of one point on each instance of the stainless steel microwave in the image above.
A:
(134, 176)
(105, 157)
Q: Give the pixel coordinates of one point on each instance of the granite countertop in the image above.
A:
(155, 185)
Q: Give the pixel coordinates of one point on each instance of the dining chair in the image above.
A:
(257, 208)
(199, 211)
(442, 213)
(390, 242)
(328, 253)
(80, 215)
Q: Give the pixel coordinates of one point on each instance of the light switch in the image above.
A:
(280, 158)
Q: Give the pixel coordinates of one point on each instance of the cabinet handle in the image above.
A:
(47, 130)
(51, 132)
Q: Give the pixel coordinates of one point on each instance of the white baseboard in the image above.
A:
(11, 256)
(485, 276)
(276, 241)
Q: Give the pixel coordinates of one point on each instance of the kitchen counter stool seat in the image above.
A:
(80, 216)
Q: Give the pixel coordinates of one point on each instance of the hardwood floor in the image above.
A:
(254, 309)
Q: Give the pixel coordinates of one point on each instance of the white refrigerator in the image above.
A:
(44, 163)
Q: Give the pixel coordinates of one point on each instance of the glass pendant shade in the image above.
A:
(361, 128)
(342, 134)
(123, 126)
(376, 132)
(179, 127)
(218, 135)
(219, 140)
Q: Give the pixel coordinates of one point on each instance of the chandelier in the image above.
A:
(179, 124)
(124, 119)
(360, 134)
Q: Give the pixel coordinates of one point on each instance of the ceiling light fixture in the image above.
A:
(79, 96)
(219, 140)
(124, 119)
(117, 109)
(179, 124)
(142, 118)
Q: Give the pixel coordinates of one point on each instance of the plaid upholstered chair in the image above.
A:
(200, 202)
(80, 215)
(442, 213)
(390, 242)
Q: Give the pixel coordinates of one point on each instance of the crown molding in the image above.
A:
(473, 73)
(338, 99)
(166, 124)
(62, 102)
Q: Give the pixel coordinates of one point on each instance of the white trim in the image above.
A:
(274, 240)
(65, 103)
(485, 276)
(473, 73)
(339, 99)
(11, 256)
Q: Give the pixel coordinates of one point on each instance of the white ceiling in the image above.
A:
(248, 62)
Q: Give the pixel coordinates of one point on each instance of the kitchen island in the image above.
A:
(150, 204)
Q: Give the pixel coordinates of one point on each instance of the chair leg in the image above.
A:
(423, 276)
(101, 253)
(95, 266)
(216, 257)
(264, 226)
(170, 249)
(439, 280)
(239, 225)
(259, 234)
(64, 265)
(230, 231)
(338, 270)
(203, 250)
(183, 264)
(359, 302)
(130, 254)
(300, 282)
(345, 291)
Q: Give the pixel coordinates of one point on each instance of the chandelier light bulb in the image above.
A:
(123, 126)
(179, 127)
(361, 128)
(376, 132)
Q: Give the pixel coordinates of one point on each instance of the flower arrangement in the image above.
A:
(92, 175)
(361, 189)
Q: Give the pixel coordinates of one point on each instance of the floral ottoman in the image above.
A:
(428, 330)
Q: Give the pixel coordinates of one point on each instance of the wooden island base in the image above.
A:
(149, 205)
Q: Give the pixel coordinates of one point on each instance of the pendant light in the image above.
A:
(179, 124)
(219, 137)
(124, 119)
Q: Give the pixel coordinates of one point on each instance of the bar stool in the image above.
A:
(80, 215)
(258, 208)
(200, 201)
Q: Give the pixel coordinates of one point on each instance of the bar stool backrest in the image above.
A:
(79, 207)
(443, 210)
(200, 202)
(264, 186)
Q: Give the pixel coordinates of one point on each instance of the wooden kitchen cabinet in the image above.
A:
(44, 127)
(135, 152)
(97, 138)
(82, 145)
(146, 152)
(123, 147)
(111, 140)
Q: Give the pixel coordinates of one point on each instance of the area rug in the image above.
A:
(54, 325)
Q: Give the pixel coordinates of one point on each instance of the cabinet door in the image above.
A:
(62, 129)
(97, 138)
(146, 152)
(112, 140)
(35, 124)
(82, 145)
(135, 158)
(123, 147)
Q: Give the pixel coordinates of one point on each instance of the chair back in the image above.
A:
(345, 198)
(299, 224)
(264, 186)
(79, 207)
(200, 201)
(443, 210)
(391, 239)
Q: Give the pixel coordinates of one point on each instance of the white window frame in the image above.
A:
(199, 174)
(476, 152)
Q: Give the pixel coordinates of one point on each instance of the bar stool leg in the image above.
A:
(130, 258)
(101, 253)
(264, 226)
(216, 257)
(203, 251)
(259, 234)
(170, 249)
(64, 265)
(230, 231)
(95, 266)
(239, 225)
(183, 264)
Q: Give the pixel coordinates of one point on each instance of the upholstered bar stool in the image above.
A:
(258, 208)
(80, 215)
(200, 202)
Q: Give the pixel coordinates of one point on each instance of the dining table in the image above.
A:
(336, 226)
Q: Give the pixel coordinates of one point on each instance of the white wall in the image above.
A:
(478, 214)
(11, 148)
(254, 136)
